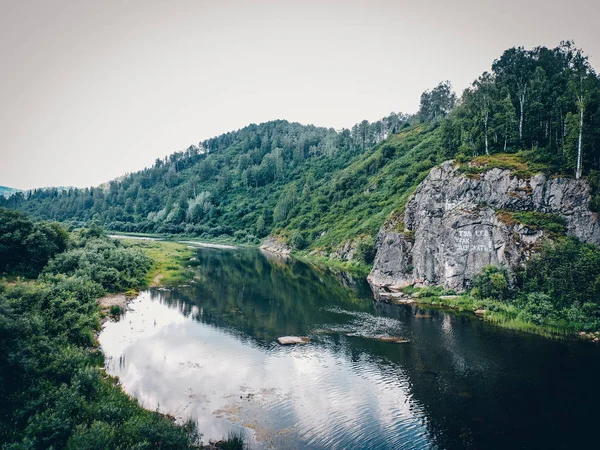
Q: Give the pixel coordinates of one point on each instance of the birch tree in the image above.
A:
(580, 85)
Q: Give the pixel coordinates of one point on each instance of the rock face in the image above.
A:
(273, 245)
(451, 228)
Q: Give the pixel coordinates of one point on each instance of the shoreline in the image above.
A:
(495, 313)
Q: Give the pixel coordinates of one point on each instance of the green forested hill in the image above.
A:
(319, 188)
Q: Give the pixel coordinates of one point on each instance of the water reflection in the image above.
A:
(208, 351)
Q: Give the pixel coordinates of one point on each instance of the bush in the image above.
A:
(299, 241)
(26, 247)
(537, 308)
(115, 267)
(492, 282)
(567, 270)
(365, 249)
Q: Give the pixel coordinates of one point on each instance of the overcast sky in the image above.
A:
(90, 90)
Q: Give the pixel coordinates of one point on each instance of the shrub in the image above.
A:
(492, 282)
(299, 241)
(537, 308)
(365, 249)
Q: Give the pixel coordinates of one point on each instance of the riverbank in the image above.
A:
(139, 240)
(507, 315)
(170, 260)
(170, 266)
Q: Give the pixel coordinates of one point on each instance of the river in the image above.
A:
(208, 351)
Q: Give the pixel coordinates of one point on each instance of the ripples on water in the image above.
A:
(318, 393)
(208, 352)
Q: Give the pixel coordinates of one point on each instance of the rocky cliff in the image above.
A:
(454, 225)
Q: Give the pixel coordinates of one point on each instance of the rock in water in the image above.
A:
(453, 226)
(291, 340)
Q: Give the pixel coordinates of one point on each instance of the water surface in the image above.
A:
(208, 351)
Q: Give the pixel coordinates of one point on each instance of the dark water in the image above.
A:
(208, 351)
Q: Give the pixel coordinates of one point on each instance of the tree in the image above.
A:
(514, 69)
(581, 84)
(437, 103)
(485, 92)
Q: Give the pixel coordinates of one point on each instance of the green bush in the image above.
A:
(25, 246)
(492, 282)
(115, 267)
(567, 270)
(537, 308)
(365, 249)
(299, 241)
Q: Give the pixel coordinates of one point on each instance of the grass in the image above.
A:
(517, 163)
(551, 223)
(170, 261)
(505, 315)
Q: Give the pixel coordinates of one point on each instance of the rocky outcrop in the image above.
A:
(451, 227)
(276, 245)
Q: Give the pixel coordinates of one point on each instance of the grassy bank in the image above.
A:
(511, 315)
(170, 261)
(171, 257)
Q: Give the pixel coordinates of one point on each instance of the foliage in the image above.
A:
(437, 103)
(594, 180)
(53, 390)
(559, 289)
(105, 261)
(365, 249)
(491, 282)
(567, 270)
(26, 247)
(532, 99)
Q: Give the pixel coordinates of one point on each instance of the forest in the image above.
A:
(319, 188)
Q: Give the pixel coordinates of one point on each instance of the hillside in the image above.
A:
(328, 192)
(276, 177)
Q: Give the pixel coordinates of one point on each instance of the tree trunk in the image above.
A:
(579, 152)
(522, 105)
(487, 150)
(522, 93)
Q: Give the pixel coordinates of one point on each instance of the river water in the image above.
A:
(208, 351)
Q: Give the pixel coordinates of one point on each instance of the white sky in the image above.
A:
(90, 90)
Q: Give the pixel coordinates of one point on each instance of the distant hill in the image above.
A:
(7, 191)
(329, 191)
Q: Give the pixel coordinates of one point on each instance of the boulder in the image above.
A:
(292, 340)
